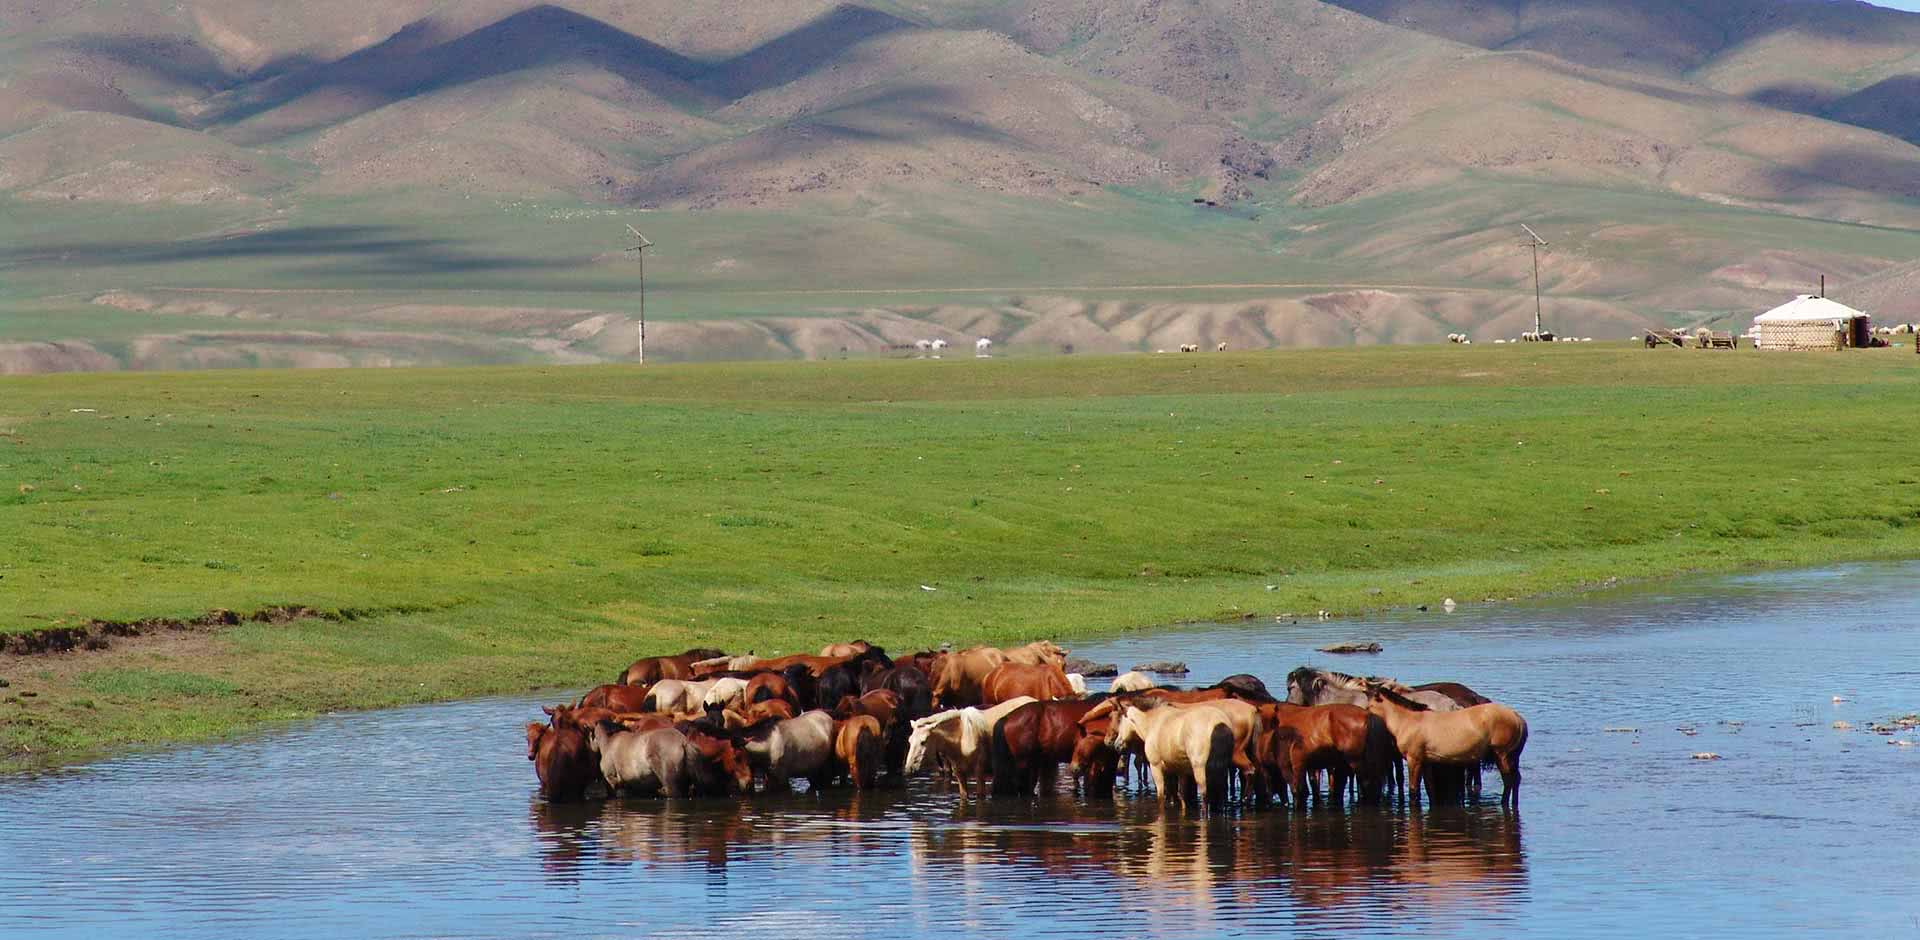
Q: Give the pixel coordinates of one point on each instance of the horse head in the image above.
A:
(535, 731)
(1126, 729)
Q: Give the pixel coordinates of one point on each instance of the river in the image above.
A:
(424, 822)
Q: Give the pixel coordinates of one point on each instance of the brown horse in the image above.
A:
(1273, 754)
(763, 686)
(1031, 743)
(1010, 680)
(1490, 733)
(1340, 739)
(655, 668)
(856, 745)
(563, 760)
(1094, 765)
(956, 683)
(720, 767)
(761, 711)
(619, 698)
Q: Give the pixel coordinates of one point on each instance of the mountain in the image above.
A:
(214, 182)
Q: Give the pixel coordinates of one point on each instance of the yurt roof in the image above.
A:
(1807, 308)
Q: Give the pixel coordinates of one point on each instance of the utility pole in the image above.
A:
(640, 254)
(1536, 243)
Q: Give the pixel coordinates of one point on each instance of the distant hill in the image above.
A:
(335, 183)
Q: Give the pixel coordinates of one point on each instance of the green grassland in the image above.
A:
(501, 529)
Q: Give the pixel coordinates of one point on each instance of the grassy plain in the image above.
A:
(500, 529)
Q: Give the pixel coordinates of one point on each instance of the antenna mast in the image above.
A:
(1535, 243)
(640, 254)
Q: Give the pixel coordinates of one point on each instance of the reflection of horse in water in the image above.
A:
(1323, 864)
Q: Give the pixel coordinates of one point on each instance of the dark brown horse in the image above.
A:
(563, 760)
(1011, 680)
(908, 682)
(655, 668)
(1031, 743)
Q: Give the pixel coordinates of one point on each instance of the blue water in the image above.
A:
(424, 822)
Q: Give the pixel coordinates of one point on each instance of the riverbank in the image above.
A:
(468, 532)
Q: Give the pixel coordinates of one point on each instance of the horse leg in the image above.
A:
(1509, 778)
(1336, 787)
(1413, 781)
(1159, 783)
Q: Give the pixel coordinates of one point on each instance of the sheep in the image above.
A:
(1189, 347)
(1222, 347)
(921, 346)
(1499, 342)
(938, 345)
(980, 347)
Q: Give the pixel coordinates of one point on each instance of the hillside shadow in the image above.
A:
(331, 249)
(412, 63)
(1855, 169)
(793, 54)
(409, 63)
(1890, 106)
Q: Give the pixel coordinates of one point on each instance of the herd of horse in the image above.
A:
(1003, 722)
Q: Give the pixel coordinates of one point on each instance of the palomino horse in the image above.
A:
(1030, 744)
(1471, 736)
(1011, 680)
(959, 738)
(655, 668)
(1131, 682)
(856, 747)
(1037, 653)
(677, 695)
(845, 650)
(1180, 743)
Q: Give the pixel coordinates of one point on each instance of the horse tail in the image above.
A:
(1220, 748)
(1004, 773)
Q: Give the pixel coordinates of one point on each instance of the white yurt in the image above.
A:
(1809, 322)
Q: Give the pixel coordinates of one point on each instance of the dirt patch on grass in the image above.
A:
(101, 634)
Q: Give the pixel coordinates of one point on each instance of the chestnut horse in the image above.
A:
(1490, 733)
(1341, 739)
(1031, 743)
(856, 745)
(762, 686)
(619, 698)
(655, 668)
(1011, 680)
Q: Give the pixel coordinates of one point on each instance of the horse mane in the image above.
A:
(1398, 699)
(1243, 694)
(1095, 698)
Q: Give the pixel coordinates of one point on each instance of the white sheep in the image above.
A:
(1189, 347)
(921, 346)
(938, 345)
(981, 347)
(1222, 347)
